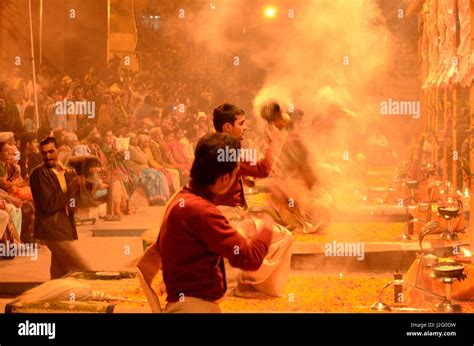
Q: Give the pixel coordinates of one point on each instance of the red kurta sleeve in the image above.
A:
(261, 169)
(225, 241)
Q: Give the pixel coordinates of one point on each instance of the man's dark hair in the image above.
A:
(2, 144)
(206, 167)
(48, 140)
(271, 111)
(225, 113)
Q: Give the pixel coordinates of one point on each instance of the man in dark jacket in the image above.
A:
(54, 214)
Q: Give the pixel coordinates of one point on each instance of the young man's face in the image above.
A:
(237, 129)
(50, 155)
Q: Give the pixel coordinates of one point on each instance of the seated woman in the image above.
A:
(22, 192)
(154, 182)
(12, 206)
(144, 144)
(156, 137)
(177, 150)
(182, 148)
(159, 145)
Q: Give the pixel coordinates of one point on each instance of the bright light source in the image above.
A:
(466, 252)
(270, 12)
(212, 6)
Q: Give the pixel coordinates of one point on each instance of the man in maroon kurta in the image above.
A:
(272, 275)
(230, 119)
(195, 237)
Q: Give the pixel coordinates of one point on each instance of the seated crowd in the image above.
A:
(141, 139)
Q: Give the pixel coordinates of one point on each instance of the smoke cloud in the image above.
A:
(319, 56)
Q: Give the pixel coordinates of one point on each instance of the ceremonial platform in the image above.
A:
(363, 247)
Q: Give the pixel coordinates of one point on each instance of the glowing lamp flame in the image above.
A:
(466, 252)
(270, 12)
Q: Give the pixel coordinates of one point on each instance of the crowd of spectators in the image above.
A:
(139, 134)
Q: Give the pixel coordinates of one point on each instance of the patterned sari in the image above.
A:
(153, 181)
(155, 184)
